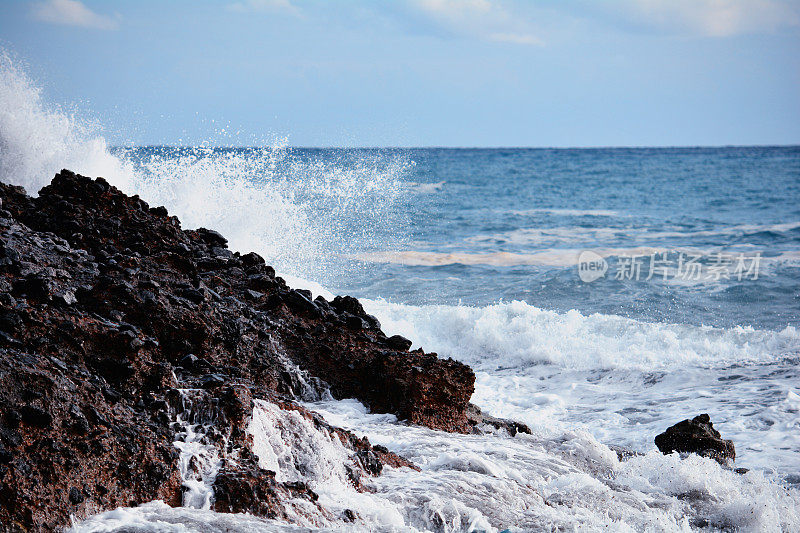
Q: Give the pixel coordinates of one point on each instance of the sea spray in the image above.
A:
(302, 212)
(37, 139)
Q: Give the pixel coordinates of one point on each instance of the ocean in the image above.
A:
(601, 295)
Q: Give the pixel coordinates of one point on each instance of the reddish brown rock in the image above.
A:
(243, 487)
(107, 307)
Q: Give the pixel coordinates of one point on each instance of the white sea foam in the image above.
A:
(566, 481)
(483, 482)
(517, 334)
(198, 459)
(425, 188)
(571, 234)
(570, 212)
(551, 257)
(37, 140)
(621, 379)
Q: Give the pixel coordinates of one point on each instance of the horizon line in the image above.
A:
(445, 147)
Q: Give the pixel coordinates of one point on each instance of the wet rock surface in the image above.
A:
(696, 436)
(108, 309)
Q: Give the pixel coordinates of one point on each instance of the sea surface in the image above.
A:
(600, 295)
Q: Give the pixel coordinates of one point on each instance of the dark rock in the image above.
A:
(66, 297)
(252, 259)
(209, 381)
(35, 416)
(255, 295)
(102, 297)
(193, 295)
(372, 321)
(370, 462)
(355, 322)
(189, 362)
(399, 343)
(75, 496)
(696, 436)
(5, 455)
(219, 251)
(211, 237)
(348, 304)
(478, 418)
(35, 286)
(299, 301)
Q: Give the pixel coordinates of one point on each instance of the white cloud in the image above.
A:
(516, 38)
(484, 19)
(73, 13)
(455, 8)
(274, 6)
(532, 23)
(713, 18)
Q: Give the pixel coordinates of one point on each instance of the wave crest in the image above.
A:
(518, 335)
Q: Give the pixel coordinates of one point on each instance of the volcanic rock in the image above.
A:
(109, 312)
(696, 436)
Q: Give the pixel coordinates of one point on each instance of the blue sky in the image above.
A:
(419, 72)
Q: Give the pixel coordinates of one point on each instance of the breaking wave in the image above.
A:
(517, 334)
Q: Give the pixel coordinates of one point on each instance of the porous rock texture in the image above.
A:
(108, 309)
(696, 436)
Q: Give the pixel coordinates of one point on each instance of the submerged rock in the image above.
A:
(696, 436)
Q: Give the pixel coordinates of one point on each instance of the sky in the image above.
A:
(418, 72)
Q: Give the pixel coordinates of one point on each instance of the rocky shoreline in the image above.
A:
(128, 344)
(116, 324)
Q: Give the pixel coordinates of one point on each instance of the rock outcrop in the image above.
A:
(696, 436)
(109, 311)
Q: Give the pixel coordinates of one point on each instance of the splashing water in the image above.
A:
(300, 211)
(37, 140)
(199, 460)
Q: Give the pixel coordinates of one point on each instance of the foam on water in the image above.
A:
(38, 140)
(484, 482)
(623, 380)
(570, 212)
(567, 481)
(549, 257)
(199, 459)
(539, 236)
(519, 335)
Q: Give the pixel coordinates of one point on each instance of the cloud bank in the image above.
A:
(72, 13)
(711, 18)
(484, 19)
(262, 6)
(531, 23)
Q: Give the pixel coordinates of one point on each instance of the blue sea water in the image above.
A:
(554, 203)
